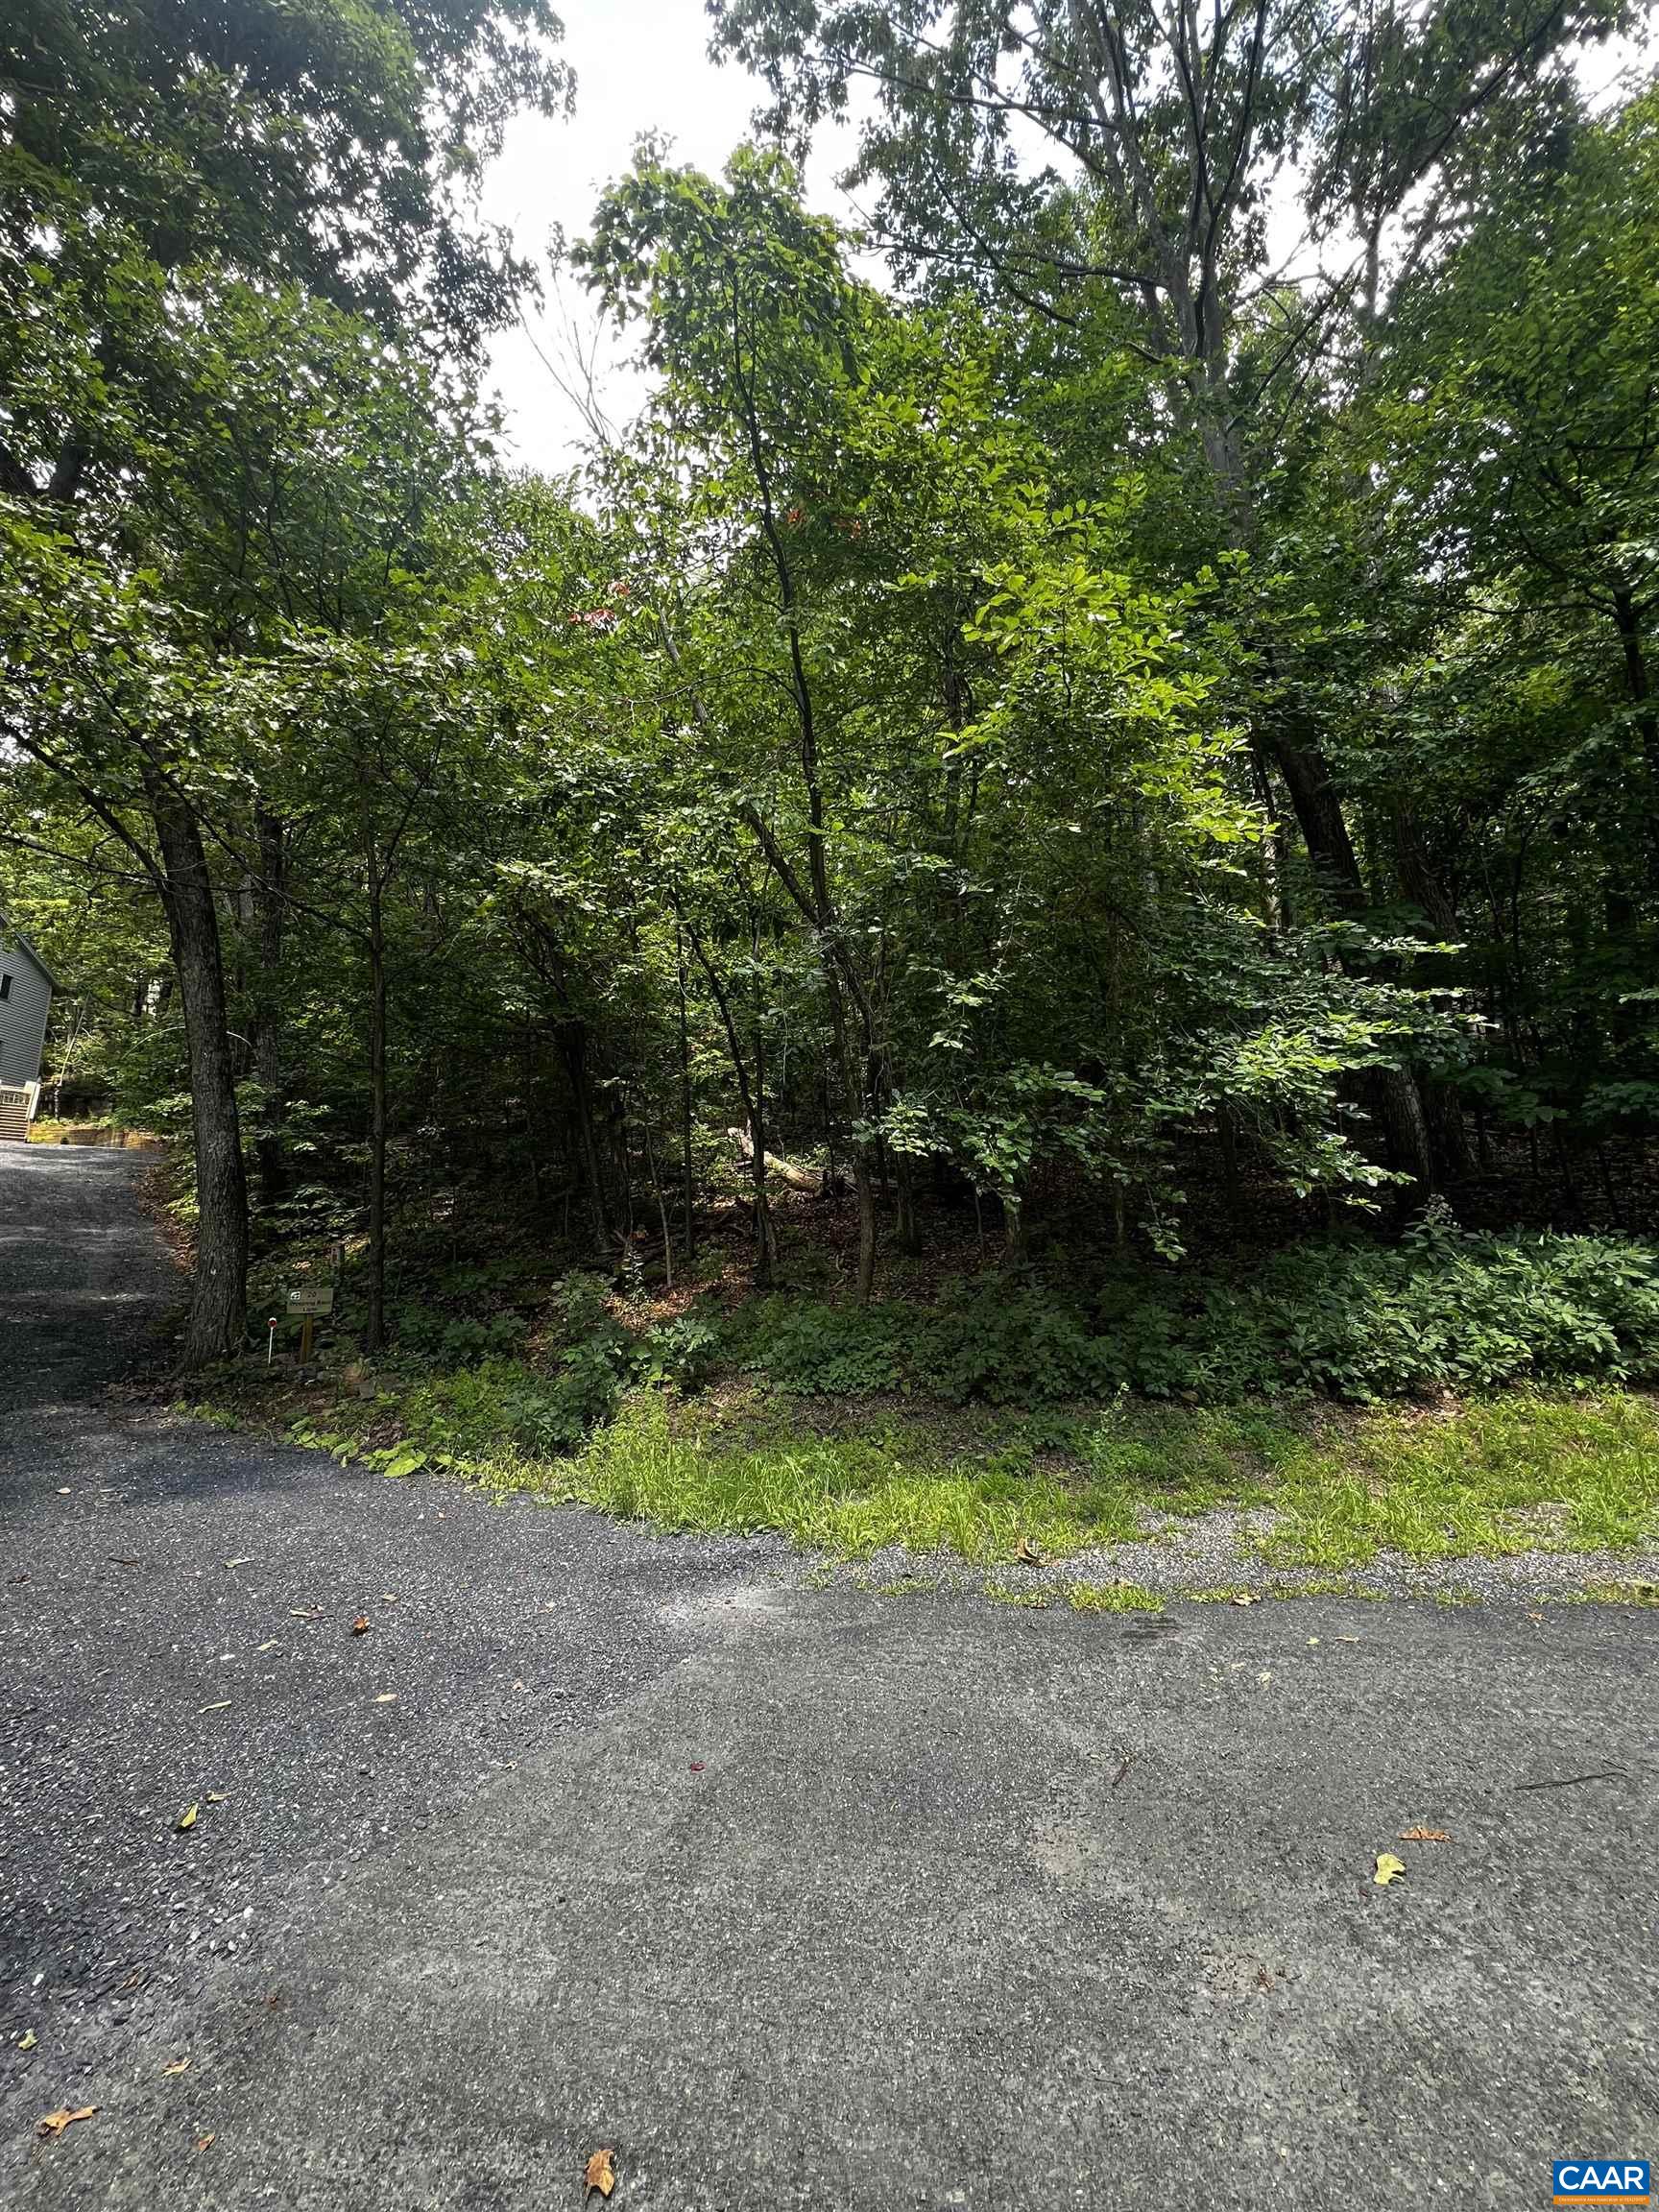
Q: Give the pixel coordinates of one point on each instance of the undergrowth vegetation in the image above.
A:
(1440, 1311)
(1454, 1395)
(1314, 1489)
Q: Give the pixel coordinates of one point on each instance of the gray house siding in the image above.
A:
(23, 1011)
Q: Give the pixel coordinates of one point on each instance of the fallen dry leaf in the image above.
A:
(28, 2039)
(1028, 1552)
(179, 2066)
(238, 1562)
(203, 2142)
(300, 1613)
(599, 2174)
(1424, 1835)
(1389, 1869)
(217, 1796)
(360, 1626)
(223, 1706)
(54, 2123)
(269, 1645)
(186, 1818)
(1244, 1597)
(387, 1698)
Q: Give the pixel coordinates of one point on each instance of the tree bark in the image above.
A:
(686, 1104)
(909, 1230)
(1393, 1094)
(1629, 624)
(753, 1101)
(1423, 885)
(375, 1327)
(765, 1238)
(657, 1191)
(270, 905)
(1398, 1104)
(218, 1319)
(572, 1038)
(819, 907)
(1318, 806)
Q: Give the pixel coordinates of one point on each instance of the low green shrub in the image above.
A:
(1440, 1311)
(503, 1404)
(452, 1341)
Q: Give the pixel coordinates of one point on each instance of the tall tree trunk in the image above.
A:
(219, 1291)
(1421, 884)
(686, 1103)
(1306, 775)
(765, 1238)
(909, 1233)
(753, 1098)
(270, 905)
(572, 1035)
(657, 1191)
(374, 1328)
(1398, 1104)
(1630, 625)
(1014, 1253)
(819, 904)
(1393, 1094)
(864, 1190)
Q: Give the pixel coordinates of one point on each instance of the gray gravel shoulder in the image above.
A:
(1217, 1553)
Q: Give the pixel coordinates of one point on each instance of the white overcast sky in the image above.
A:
(641, 65)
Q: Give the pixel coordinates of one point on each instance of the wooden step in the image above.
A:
(14, 1105)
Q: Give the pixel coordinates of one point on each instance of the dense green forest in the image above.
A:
(1079, 791)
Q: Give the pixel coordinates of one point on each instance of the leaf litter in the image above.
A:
(599, 2174)
(54, 2123)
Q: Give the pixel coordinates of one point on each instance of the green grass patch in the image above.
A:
(1492, 1479)
(1318, 1490)
(1113, 1598)
(1489, 1480)
(1643, 1593)
(984, 1490)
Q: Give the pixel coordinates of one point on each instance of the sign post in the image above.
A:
(307, 1303)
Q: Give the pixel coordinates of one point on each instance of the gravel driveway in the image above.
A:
(790, 1896)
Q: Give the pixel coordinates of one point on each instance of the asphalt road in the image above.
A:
(792, 1897)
